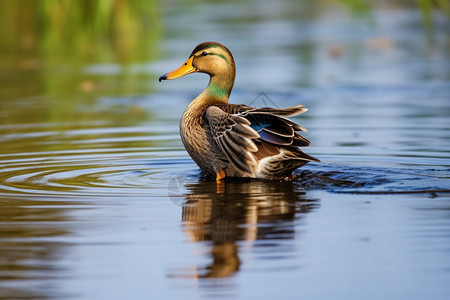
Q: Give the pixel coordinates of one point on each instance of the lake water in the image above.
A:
(99, 200)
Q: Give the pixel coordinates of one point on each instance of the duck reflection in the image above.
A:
(240, 211)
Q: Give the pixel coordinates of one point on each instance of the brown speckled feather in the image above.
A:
(266, 135)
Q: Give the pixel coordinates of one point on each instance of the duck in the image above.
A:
(236, 140)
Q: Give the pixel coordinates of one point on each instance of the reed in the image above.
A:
(116, 30)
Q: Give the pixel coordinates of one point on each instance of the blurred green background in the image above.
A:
(53, 40)
(68, 52)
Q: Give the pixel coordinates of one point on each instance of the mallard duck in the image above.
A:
(236, 140)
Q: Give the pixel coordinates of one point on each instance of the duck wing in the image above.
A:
(274, 128)
(234, 136)
(284, 112)
(248, 135)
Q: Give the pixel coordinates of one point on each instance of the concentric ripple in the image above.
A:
(94, 162)
(146, 171)
(108, 157)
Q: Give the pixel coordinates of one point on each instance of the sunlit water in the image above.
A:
(107, 204)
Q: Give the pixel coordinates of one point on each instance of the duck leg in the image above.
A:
(220, 175)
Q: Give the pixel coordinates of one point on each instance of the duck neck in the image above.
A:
(218, 89)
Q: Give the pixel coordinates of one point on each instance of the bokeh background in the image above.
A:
(62, 48)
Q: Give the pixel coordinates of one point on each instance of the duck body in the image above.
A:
(230, 140)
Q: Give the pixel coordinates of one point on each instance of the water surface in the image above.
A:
(99, 200)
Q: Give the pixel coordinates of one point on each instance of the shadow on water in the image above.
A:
(256, 213)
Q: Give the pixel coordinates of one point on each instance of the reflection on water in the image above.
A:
(230, 212)
(101, 44)
(89, 146)
(32, 238)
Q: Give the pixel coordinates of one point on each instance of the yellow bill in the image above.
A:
(186, 68)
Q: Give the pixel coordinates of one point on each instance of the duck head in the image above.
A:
(213, 59)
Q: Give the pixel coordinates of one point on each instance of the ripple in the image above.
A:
(147, 172)
(345, 178)
(101, 159)
(110, 172)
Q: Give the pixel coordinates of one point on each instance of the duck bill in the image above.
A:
(186, 68)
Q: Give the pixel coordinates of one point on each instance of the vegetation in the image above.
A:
(427, 7)
(100, 30)
(57, 39)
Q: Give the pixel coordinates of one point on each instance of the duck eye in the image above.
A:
(204, 53)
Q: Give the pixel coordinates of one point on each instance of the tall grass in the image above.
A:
(58, 38)
(101, 30)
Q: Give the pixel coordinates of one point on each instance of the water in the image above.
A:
(99, 200)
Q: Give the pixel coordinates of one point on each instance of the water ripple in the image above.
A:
(98, 172)
(109, 159)
(147, 171)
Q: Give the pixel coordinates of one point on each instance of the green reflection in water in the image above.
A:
(47, 45)
(30, 243)
(59, 57)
